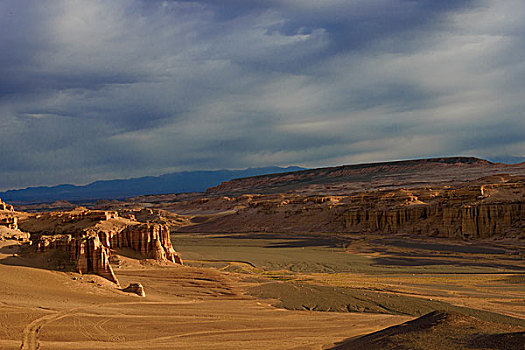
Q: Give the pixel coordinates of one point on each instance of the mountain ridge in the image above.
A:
(177, 182)
(256, 180)
(344, 177)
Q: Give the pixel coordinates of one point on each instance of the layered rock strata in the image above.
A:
(5, 206)
(487, 207)
(87, 253)
(466, 221)
(150, 239)
(89, 237)
(9, 224)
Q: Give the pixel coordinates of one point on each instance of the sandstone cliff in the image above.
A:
(9, 224)
(9, 221)
(5, 206)
(464, 221)
(487, 207)
(87, 253)
(89, 237)
(150, 239)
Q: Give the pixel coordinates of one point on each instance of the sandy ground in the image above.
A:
(481, 275)
(222, 298)
(185, 308)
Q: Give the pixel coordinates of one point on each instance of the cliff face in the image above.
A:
(150, 239)
(9, 224)
(468, 221)
(491, 206)
(5, 206)
(89, 238)
(86, 253)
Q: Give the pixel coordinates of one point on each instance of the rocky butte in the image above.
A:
(89, 237)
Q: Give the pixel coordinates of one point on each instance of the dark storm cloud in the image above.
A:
(105, 89)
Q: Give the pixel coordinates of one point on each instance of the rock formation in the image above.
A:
(487, 207)
(136, 288)
(150, 239)
(9, 224)
(89, 237)
(5, 207)
(463, 221)
(87, 253)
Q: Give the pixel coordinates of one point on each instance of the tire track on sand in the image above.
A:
(30, 333)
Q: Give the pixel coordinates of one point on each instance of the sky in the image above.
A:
(102, 89)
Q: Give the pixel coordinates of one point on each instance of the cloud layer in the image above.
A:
(106, 89)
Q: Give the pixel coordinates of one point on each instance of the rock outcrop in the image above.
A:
(136, 288)
(149, 239)
(87, 253)
(6, 207)
(465, 221)
(487, 207)
(149, 215)
(474, 211)
(10, 222)
(90, 237)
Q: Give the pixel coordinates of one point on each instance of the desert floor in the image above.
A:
(255, 291)
(487, 275)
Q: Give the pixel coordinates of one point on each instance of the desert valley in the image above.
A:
(420, 254)
(272, 174)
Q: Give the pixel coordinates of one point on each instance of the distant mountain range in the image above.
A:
(180, 182)
(266, 180)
